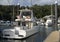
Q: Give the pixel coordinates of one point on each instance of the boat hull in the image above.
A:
(20, 34)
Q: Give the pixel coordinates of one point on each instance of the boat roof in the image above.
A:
(48, 16)
(25, 10)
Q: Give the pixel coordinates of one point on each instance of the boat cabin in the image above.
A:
(26, 19)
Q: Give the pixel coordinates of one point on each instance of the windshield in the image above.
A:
(25, 14)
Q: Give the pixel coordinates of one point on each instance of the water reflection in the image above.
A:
(48, 30)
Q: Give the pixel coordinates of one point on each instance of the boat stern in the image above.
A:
(14, 34)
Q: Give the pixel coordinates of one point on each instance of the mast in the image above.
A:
(56, 17)
(18, 6)
(13, 13)
(31, 2)
(52, 15)
(51, 9)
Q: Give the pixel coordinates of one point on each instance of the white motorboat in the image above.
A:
(59, 22)
(49, 20)
(5, 23)
(42, 22)
(25, 26)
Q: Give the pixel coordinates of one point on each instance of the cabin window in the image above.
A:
(18, 23)
(26, 14)
(23, 24)
(35, 24)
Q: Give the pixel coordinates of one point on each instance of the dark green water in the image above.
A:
(38, 37)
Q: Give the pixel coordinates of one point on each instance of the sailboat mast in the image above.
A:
(13, 13)
(51, 10)
(18, 6)
(31, 2)
(56, 17)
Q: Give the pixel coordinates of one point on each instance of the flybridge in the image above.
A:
(25, 15)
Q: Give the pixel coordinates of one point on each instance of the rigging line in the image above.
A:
(8, 2)
(25, 2)
(35, 1)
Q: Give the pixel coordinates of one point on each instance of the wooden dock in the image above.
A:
(53, 37)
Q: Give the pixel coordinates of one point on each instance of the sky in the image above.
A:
(27, 2)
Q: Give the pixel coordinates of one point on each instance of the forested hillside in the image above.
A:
(6, 12)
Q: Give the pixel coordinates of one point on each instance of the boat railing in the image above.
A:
(24, 28)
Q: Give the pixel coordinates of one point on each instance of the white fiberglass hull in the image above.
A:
(11, 33)
(48, 22)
